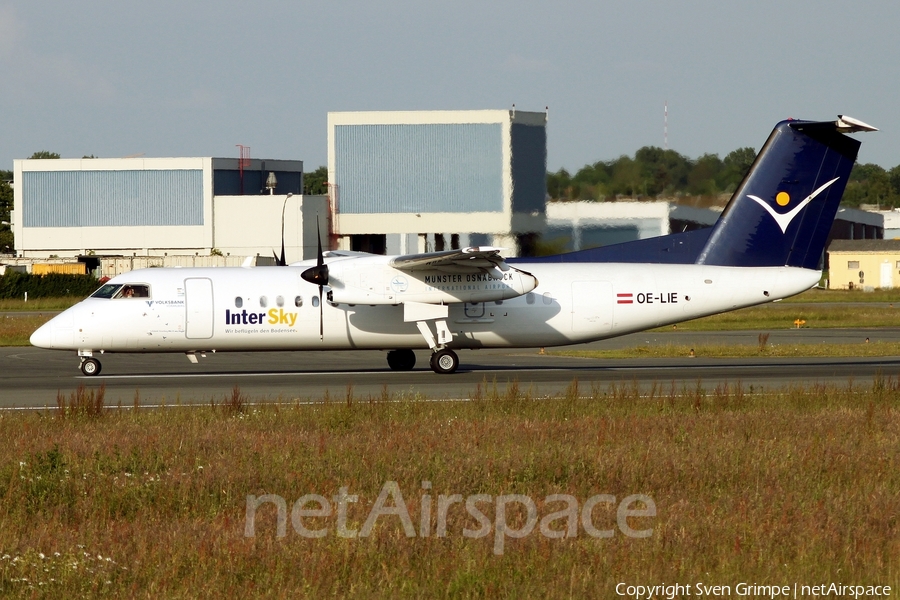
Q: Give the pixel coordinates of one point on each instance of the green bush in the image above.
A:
(15, 285)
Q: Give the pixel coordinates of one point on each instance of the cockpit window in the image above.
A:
(133, 290)
(106, 291)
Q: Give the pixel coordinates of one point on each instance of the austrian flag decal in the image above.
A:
(625, 298)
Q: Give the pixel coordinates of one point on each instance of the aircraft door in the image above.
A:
(592, 306)
(198, 306)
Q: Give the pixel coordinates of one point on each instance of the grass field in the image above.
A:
(37, 304)
(855, 296)
(15, 330)
(817, 308)
(782, 315)
(762, 349)
(799, 485)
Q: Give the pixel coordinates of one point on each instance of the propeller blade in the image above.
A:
(321, 314)
(320, 258)
(318, 275)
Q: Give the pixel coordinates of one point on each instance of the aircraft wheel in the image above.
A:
(444, 361)
(401, 360)
(90, 367)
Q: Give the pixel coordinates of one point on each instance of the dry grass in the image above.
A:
(855, 296)
(37, 304)
(782, 315)
(797, 484)
(843, 309)
(15, 330)
(763, 348)
(83, 402)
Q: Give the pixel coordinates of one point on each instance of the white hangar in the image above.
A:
(162, 206)
(398, 182)
(428, 180)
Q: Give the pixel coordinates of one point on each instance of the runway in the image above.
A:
(32, 377)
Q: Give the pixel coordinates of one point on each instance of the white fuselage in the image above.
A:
(272, 308)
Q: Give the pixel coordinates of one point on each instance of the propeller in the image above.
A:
(282, 262)
(318, 275)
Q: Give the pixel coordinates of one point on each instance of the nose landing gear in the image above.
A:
(90, 366)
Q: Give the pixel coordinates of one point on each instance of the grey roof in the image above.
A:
(864, 246)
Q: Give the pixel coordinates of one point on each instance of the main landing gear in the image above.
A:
(401, 360)
(443, 360)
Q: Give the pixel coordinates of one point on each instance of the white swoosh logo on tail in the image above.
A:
(784, 220)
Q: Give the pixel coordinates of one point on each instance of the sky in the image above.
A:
(175, 78)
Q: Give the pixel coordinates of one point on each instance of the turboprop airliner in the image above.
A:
(767, 245)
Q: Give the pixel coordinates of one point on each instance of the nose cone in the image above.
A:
(43, 335)
(58, 332)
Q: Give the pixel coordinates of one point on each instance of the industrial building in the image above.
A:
(583, 225)
(161, 206)
(415, 181)
(399, 182)
(863, 264)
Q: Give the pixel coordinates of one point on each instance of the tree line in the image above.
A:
(656, 173)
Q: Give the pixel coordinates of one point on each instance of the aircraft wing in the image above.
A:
(465, 260)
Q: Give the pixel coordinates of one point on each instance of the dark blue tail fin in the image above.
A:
(783, 210)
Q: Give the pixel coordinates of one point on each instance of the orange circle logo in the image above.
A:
(783, 198)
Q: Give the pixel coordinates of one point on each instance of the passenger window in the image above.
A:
(279, 301)
(315, 301)
(263, 301)
(529, 298)
(298, 301)
(548, 299)
(238, 302)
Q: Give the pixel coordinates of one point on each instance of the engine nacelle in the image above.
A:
(392, 286)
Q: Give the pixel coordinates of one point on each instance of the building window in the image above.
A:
(852, 264)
